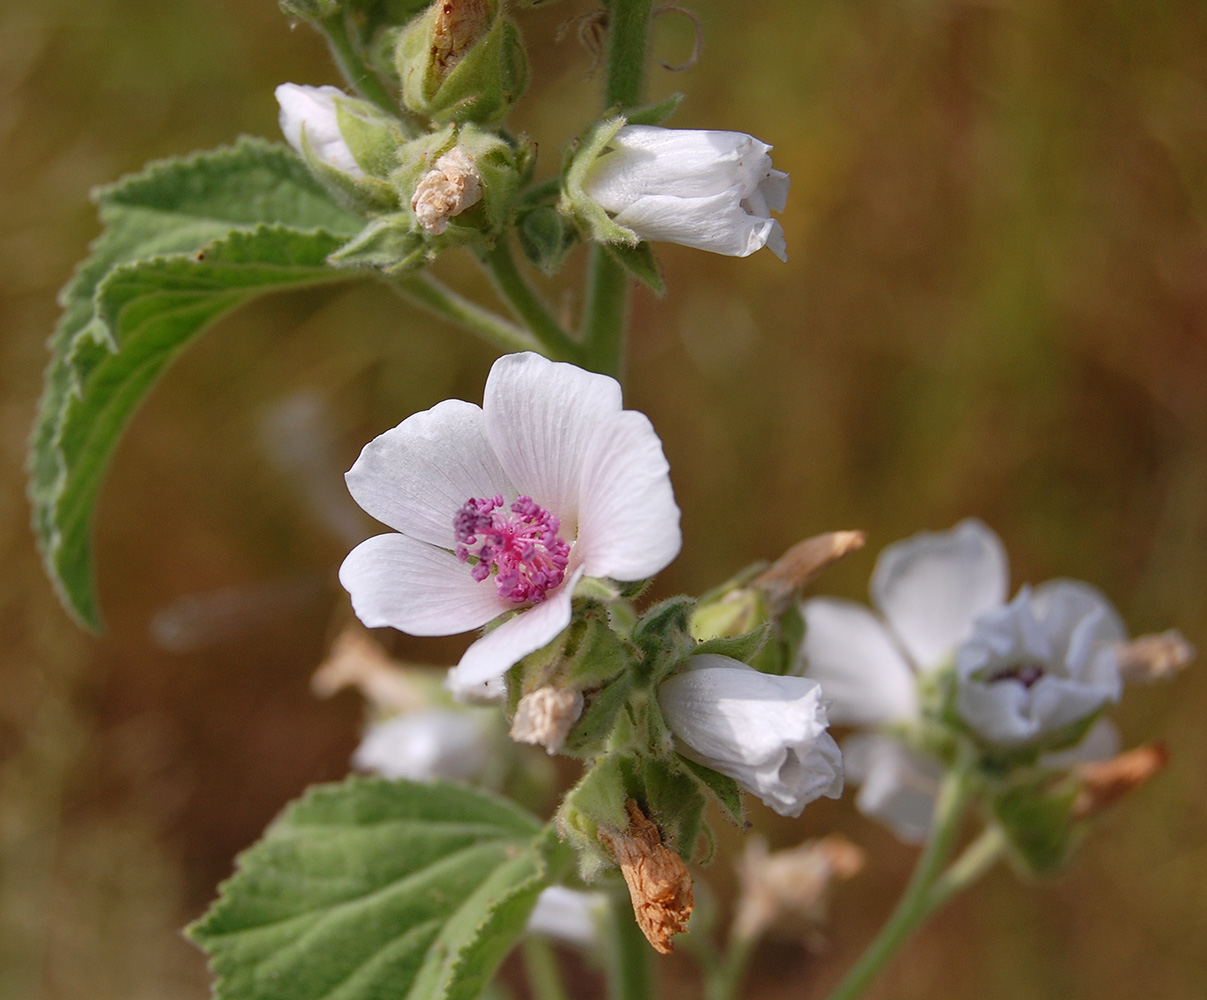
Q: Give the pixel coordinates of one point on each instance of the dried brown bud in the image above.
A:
(357, 661)
(1106, 782)
(1154, 657)
(792, 884)
(459, 26)
(544, 717)
(448, 189)
(782, 581)
(658, 880)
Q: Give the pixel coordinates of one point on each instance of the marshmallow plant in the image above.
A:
(535, 522)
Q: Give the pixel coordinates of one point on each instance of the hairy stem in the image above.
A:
(916, 904)
(344, 50)
(527, 305)
(430, 294)
(630, 970)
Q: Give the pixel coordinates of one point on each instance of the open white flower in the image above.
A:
(505, 507)
(710, 190)
(1040, 664)
(312, 111)
(766, 732)
(432, 743)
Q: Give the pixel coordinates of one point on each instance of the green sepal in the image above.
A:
(604, 721)
(654, 114)
(388, 243)
(574, 202)
(674, 800)
(722, 788)
(480, 88)
(741, 647)
(1037, 820)
(310, 10)
(371, 137)
(663, 637)
(640, 262)
(546, 238)
(598, 800)
(375, 888)
(363, 195)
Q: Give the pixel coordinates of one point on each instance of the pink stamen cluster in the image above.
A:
(521, 546)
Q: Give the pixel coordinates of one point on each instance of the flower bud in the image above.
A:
(659, 883)
(456, 744)
(461, 61)
(711, 190)
(309, 117)
(766, 732)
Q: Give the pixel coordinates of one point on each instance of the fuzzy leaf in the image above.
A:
(722, 788)
(372, 889)
(262, 222)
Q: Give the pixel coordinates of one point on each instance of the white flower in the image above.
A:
(568, 915)
(897, 786)
(312, 111)
(768, 733)
(710, 190)
(430, 744)
(929, 589)
(505, 507)
(1043, 662)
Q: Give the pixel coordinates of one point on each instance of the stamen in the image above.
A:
(1025, 673)
(522, 546)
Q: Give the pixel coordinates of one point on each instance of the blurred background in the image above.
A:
(995, 305)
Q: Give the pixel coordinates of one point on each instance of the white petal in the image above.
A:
(423, 746)
(501, 648)
(568, 915)
(898, 785)
(313, 110)
(418, 588)
(416, 476)
(628, 520)
(1064, 606)
(774, 189)
(540, 417)
(930, 588)
(717, 223)
(863, 675)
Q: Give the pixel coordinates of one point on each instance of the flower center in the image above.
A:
(1026, 674)
(520, 544)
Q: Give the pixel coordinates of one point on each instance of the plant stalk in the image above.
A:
(527, 305)
(439, 299)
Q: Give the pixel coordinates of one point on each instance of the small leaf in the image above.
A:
(654, 114)
(372, 889)
(741, 647)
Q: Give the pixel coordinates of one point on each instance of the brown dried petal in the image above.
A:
(460, 24)
(544, 717)
(1154, 657)
(1106, 782)
(660, 885)
(782, 582)
(357, 661)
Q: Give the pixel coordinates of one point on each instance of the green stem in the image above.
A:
(527, 305)
(630, 969)
(606, 309)
(430, 294)
(981, 855)
(916, 903)
(540, 964)
(344, 50)
(724, 982)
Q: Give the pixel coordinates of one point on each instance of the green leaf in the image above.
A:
(372, 889)
(722, 788)
(640, 262)
(157, 223)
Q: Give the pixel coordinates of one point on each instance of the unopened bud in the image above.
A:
(660, 885)
(448, 189)
(1105, 783)
(782, 582)
(1154, 657)
(357, 661)
(458, 26)
(791, 884)
(544, 717)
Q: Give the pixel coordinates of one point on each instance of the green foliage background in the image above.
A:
(995, 304)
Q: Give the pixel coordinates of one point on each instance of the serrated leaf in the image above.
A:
(372, 889)
(173, 208)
